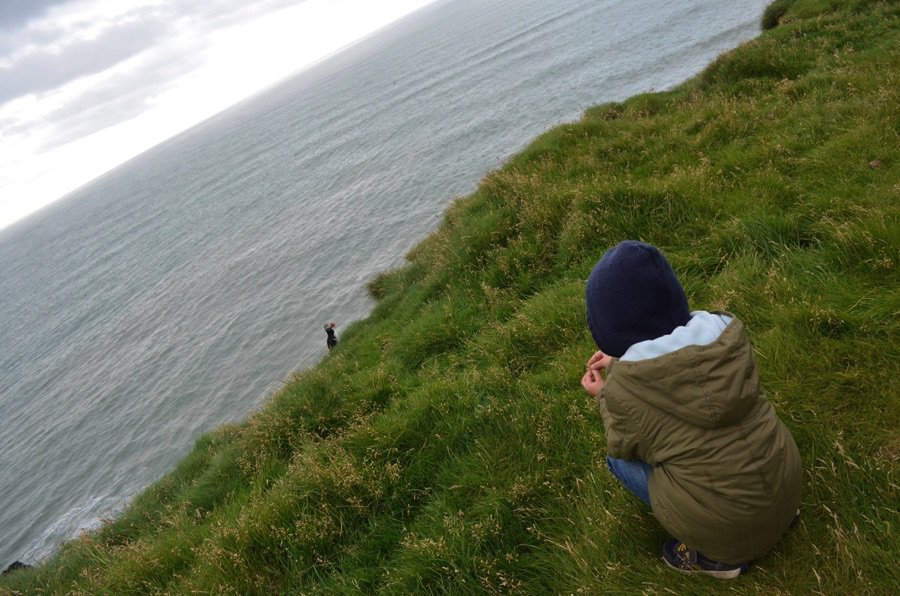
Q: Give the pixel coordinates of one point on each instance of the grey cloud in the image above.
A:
(115, 100)
(44, 71)
(15, 13)
(123, 96)
(94, 113)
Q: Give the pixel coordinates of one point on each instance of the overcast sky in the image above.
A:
(88, 84)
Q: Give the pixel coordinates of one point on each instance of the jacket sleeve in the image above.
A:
(621, 434)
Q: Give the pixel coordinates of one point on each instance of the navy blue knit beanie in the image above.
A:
(633, 295)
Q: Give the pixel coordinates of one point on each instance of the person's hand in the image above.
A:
(592, 381)
(599, 361)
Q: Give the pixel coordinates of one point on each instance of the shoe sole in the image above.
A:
(724, 574)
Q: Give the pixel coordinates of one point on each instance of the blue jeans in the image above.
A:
(634, 475)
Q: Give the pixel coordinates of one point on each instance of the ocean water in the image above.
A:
(177, 292)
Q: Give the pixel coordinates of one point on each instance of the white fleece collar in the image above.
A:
(703, 328)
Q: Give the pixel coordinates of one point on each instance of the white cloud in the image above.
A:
(78, 121)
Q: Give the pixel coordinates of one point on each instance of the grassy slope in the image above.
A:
(446, 445)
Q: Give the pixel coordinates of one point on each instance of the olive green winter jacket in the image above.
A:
(726, 471)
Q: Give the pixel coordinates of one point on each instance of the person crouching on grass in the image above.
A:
(689, 431)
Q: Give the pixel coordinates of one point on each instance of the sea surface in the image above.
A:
(177, 292)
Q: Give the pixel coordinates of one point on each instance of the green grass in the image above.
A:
(446, 446)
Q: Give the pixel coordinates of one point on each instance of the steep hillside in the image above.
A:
(446, 446)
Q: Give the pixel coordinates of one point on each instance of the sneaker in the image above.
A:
(680, 556)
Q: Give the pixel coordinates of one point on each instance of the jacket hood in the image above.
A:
(710, 385)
